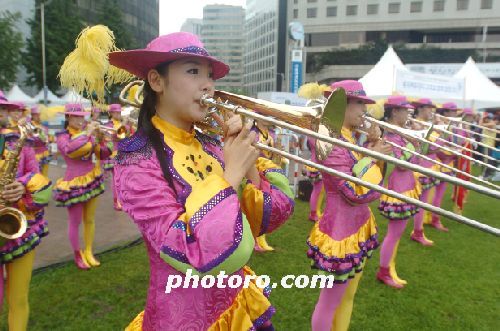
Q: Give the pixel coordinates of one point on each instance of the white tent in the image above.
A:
(381, 79)
(480, 91)
(73, 97)
(51, 97)
(16, 94)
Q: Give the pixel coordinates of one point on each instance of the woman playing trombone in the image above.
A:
(401, 180)
(346, 235)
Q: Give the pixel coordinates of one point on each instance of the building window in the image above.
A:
(416, 7)
(394, 7)
(438, 5)
(312, 12)
(351, 10)
(372, 9)
(295, 13)
(462, 4)
(295, 2)
(312, 1)
(486, 4)
(331, 11)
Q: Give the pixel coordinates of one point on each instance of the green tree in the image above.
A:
(62, 26)
(111, 15)
(11, 42)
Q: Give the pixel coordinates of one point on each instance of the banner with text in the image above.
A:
(429, 86)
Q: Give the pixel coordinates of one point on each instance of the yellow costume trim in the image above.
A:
(42, 155)
(263, 164)
(415, 194)
(252, 204)
(80, 181)
(347, 246)
(248, 305)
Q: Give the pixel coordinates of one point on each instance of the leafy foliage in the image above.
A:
(12, 42)
(370, 53)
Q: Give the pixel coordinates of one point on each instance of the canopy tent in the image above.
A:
(73, 97)
(51, 97)
(381, 79)
(16, 94)
(480, 91)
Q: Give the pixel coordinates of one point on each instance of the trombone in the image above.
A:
(333, 112)
(460, 120)
(425, 157)
(407, 133)
(440, 129)
(328, 118)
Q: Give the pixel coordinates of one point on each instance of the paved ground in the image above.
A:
(112, 227)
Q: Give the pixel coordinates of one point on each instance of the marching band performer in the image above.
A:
(346, 235)
(40, 141)
(180, 188)
(447, 109)
(116, 123)
(423, 112)
(401, 180)
(29, 193)
(460, 193)
(82, 182)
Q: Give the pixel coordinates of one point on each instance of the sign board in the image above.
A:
(422, 85)
(296, 70)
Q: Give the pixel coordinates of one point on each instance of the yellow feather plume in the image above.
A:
(312, 90)
(376, 110)
(87, 68)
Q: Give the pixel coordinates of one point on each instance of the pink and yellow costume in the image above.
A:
(402, 181)
(17, 255)
(345, 236)
(199, 224)
(81, 184)
(40, 142)
(83, 179)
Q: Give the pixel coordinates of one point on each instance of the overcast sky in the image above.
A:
(172, 16)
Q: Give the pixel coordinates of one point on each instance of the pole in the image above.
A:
(44, 69)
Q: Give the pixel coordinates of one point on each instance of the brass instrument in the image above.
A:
(405, 132)
(461, 121)
(425, 157)
(323, 122)
(13, 222)
(336, 104)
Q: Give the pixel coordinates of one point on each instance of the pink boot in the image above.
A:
(436, 223)
(80, 263)
(418, 236)
(313, 216)
(384, 276)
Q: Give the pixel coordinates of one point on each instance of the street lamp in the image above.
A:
(44, 68)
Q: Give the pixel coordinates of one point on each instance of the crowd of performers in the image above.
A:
(206, 206)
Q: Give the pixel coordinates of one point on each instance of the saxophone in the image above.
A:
(13, 222)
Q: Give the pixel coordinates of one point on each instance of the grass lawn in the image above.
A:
(452, 286)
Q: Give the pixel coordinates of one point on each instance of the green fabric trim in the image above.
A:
(25, 247)
(281, 182)
(42, 197)
(237, 260)
(110, 145)
(361, 165)
(82, 198)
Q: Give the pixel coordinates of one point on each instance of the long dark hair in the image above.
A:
(387, 113)
(144, 124)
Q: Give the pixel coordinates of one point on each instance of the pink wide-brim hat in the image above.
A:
(75, 109)
(115, 107)
(35, 110)
(353, 90)
(9, 105)
(467, 111)
(423, 102)
(398, 101)
(166, 48)
(448, 106)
